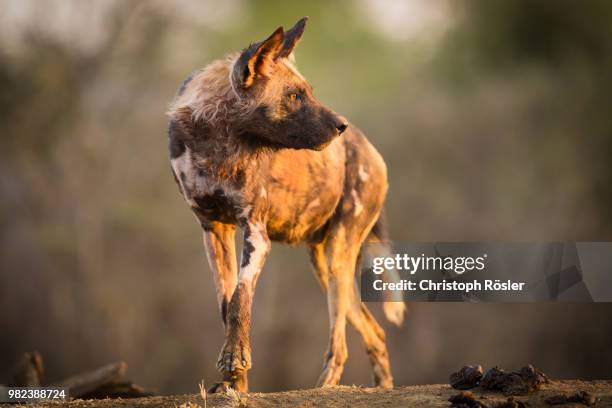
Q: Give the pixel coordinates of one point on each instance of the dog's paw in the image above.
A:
(234, 358)
(219, 387)
(236, 381)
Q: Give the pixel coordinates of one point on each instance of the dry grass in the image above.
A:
(232, 398)
(203, 392)
(236, 399)
(189, 404)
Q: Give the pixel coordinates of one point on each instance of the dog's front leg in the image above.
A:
(221, 253)
(235, 356)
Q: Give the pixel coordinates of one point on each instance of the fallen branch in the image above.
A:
(88, 382)
(105, 382)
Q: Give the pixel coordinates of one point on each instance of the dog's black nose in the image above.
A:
(341, 127)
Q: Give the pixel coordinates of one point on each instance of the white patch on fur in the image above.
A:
(261, 247)
(363, 174)
(184, 165)
(313, 204)
(244, 213)
(358, 205)
(263, 192)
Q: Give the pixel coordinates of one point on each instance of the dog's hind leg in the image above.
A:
(335, 260)
(374, 339)
(359, 316)
(340, 254)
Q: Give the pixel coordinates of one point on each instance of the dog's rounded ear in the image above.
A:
(257, 59)
(292, 36)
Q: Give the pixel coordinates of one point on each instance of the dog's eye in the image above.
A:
(295, 97)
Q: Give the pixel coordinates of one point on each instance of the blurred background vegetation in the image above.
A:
(494, 118)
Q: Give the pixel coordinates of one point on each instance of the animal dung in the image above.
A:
(520, 382)
(466, 378)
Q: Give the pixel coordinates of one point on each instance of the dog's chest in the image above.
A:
(210, 197)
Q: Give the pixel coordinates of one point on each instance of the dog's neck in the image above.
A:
(224, 155)
(207, 109)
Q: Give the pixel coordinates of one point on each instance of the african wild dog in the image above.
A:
(250, 146)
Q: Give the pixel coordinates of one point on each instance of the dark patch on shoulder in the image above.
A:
(247, 249)
(207, 202)
(176, 145)
(215, 207)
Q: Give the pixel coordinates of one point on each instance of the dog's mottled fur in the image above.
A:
(250, 146)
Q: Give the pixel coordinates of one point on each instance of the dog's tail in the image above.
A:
(377, 244)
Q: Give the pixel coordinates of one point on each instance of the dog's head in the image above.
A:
(286, 112)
